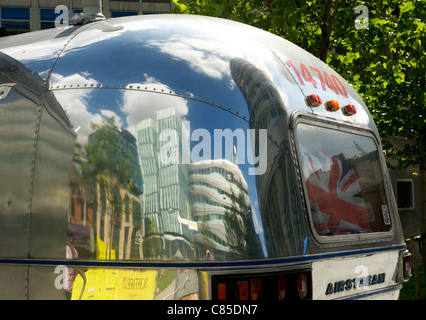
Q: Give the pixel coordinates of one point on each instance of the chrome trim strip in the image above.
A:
(199, 265)
(372, 293)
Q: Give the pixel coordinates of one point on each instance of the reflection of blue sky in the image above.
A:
(117, 66)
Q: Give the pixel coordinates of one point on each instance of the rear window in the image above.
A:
(343, 181)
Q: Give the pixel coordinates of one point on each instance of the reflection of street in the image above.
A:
(183, 287)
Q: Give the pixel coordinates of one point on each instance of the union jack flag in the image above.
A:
(337, 204)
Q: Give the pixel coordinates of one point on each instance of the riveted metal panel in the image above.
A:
(44, 283)
(50, 197)
(18, 126)
(14, 282)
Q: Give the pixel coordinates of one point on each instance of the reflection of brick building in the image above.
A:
(81, 203)
(81, 216)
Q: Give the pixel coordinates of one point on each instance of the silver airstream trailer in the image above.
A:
(187, 157)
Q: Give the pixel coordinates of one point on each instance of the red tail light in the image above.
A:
(243, 290)
(256, 288)
(407, 265)
(302, 285)
(221, 291)
(282, 287)
(285, 285)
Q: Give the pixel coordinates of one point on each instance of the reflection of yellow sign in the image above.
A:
(104, 250)
(115, 284)
(135, 285)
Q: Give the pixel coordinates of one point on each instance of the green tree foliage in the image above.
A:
(385, 63)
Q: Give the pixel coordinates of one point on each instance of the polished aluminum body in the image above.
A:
(162, 141)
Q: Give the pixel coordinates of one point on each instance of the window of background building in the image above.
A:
(15, 20)
(116, 14)
(405, 195)
(48, 16)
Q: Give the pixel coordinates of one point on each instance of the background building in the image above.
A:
(18, 16)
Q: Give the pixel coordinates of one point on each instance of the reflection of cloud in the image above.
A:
(75, 103)
(135, 105)
(209, 57)
(82, 77)
(140, 105)
(112, 114)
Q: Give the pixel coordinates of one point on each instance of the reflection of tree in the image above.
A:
(236, 230)
(108, 159)
(108, 171)
(239, 226)
(204, 230)
(153, 242)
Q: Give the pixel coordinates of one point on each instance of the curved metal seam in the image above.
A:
(32, 177)
(49, 72)
(164, 92)
(154, 90)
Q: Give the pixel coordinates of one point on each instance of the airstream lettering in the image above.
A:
(355, 283)
(174, 157)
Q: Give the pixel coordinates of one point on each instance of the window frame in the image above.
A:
(345, 239)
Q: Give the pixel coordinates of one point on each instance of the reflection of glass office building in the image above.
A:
(263, 100)
(280, 216)
(166, 201)
(221, 207)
